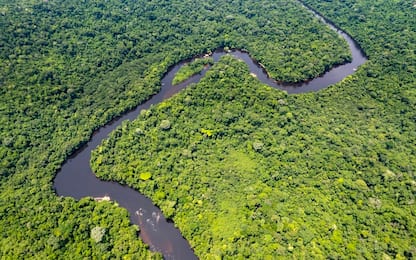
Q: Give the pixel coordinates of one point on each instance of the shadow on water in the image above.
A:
(76, 179)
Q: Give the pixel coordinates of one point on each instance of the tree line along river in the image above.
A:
(76, 179)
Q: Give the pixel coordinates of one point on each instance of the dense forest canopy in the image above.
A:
(189, 69)
(67, 67)
(248, 171)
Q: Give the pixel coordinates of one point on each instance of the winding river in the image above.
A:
(76, 179)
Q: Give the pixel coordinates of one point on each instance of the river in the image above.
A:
(76, 179)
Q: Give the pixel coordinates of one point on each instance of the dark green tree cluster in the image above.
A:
(67, 67)
(58, 228)
(329, 174)
(191, 68)
(247, 171)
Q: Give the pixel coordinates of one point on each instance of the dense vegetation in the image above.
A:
(67, 67)
(191, 68)
(312, 175)
(247, 171)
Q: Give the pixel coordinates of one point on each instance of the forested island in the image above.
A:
(242, 169)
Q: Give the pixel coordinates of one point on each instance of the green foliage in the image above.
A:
(302, 176)
(145, 176)
(165, 124)
(97, 234)
(67, 67)
(207, 132)
(190, 69)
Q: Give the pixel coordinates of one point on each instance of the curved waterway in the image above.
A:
(76, 179)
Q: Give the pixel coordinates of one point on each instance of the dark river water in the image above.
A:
(76, 179)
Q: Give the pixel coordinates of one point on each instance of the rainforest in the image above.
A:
(243, 170)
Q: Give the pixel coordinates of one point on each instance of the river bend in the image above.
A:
(76, 179)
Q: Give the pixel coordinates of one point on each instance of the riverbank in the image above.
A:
(84, 183)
